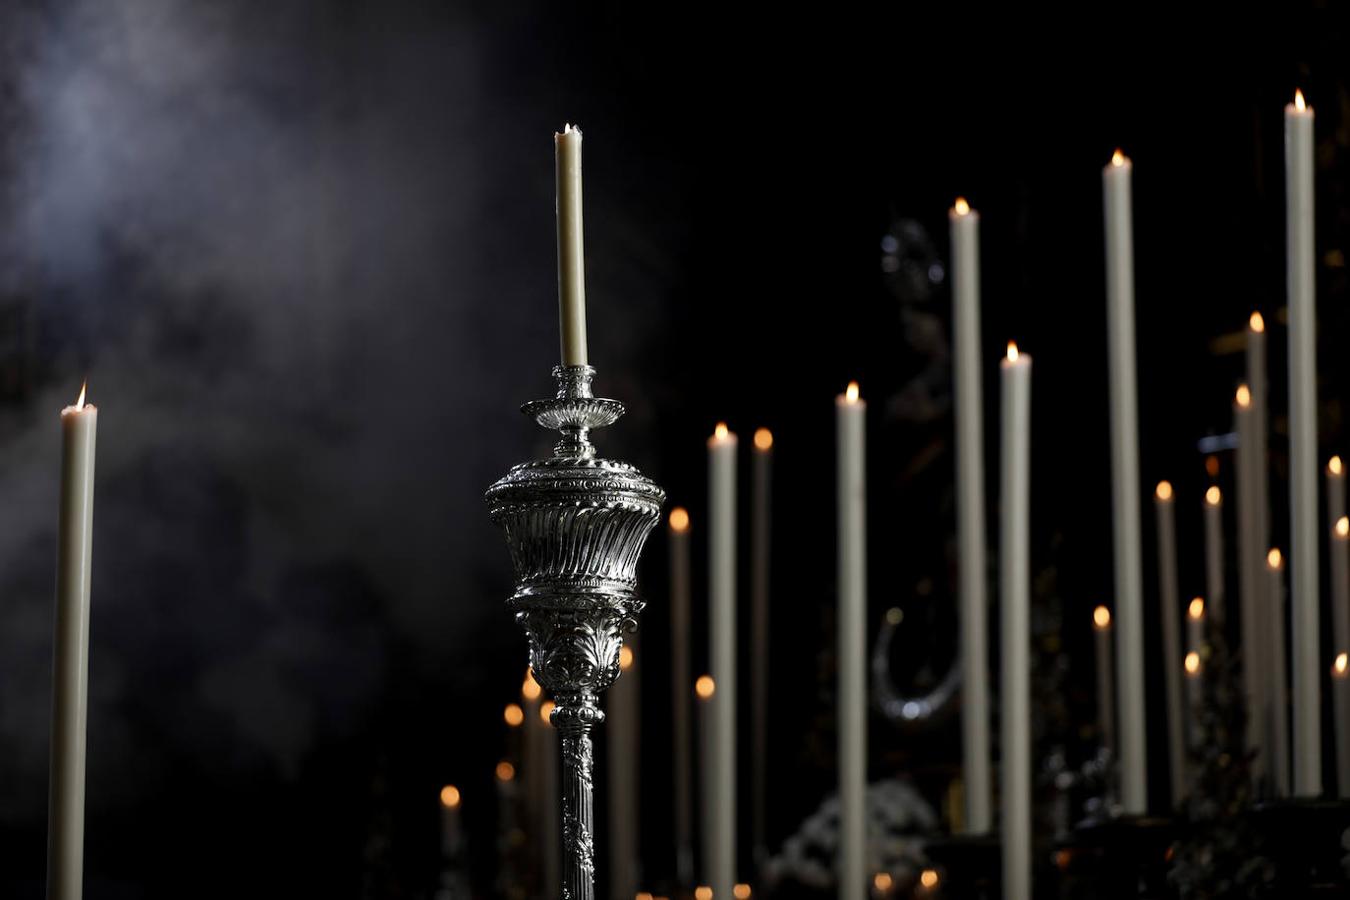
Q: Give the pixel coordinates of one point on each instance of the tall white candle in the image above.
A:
(1303, 542)
(1194, 691)
(451, 834)
(722, 628)
(682, 733)
(571, 256)
(1015, 605)
(1335, 488)
(1195, 627)
(1254, 649)
(1340, 694)
(1214, 550)
(969, 413)
(1251, 546)
(623, 735)
(1168, 593)
(1106, 682)
(1277, 708)
(1340, 600)
(705, 689)
(760, 534)
(70, 660)
(850, 433)
(1125, 482)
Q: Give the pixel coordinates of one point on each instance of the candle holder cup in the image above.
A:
(575, 525)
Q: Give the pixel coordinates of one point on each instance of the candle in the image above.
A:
(1340, 609)
(1303, 574)
(1335, 488)
(704, 689)
(1106, 689)
(1195, 626)
(1194, 693)
(682, 731)
(1165, 508)
(571, 257)
(1125, 482)
(450, 829)
(1340, 693)
(550, 830)
(624, 752)
(533, 750)
(965, 232)
(1251, 544)
(1015, 603)
(1214, 549)
(1277, 708)
(70, 659)
(1254, 653)
(722, 636)
(850, 433)
(760, 529)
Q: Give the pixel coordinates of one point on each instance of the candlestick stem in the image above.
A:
(578, 807)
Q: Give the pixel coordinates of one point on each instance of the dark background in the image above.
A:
(305, 254)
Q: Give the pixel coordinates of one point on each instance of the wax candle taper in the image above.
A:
(1214, 550)
(682, 732)
(571, 256)
(722, 637)
(1277, 707)
(850, 435)
(1168, 589)
(1106, 686)
(761, 523)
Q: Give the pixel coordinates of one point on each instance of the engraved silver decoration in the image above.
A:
(575, 525)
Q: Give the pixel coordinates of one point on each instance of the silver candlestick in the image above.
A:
(575, 525)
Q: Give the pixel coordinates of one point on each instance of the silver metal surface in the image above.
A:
(575, 525)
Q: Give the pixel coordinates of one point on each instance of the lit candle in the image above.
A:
(1168, 593)
(1340, 562)
(1195, 626)
(1340, 693)
(550, 826)
(1335, 488)
(682, 731)
(1251, 546)
(722, 636)
(1125, 482)
(1254, 649)
(1340, 610)
(450, 828)
(1303, 542)
(760, 531)
(1194, 692)
(1277, 707)
(1015, 628)
(533, 750)
(70, 661)
(850, 433)
(1214, 550)
(704, 690)
(965, 235)
(624, 729)
(571, 257)
(1106, 689)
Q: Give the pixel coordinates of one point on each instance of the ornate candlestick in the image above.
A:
(575, 525)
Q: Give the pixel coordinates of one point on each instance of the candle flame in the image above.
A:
(702, 892)
(928, 878)
(1101, 617)
(1213, 495)
(1012, 351)
(1117, 158)
(1334, 465)
(1164, 491)
(1196, 610)
(721, 432)
(705, 687)
(679, 520)
(882, 881)
(741, 892)
(1343, 526)
(962, 207)
(505, 771)
(530, 690)
(1273, 558)
(1341, 664)
(851, 392)
(763, 438)
(450, 796)
(625, 658)
(513, 715)
(642, 895)
(1256, 323)
(1299, 103)
(1244, 396)
(546, 711)
(79, 404)
(1192, 662)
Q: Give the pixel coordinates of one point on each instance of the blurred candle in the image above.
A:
(850, 433)
(1125, 481)
(722, 637)
(450, 827)
(571, 257)
(704, 689)
(1165, 507)
(1254, 649)
(760, 533)
(1194, 694)
(534, 747)
(1251, 546)
(969, 412)
(1340, 693)
(1303, 542)
(624, 729)
(1106, 689)
(1195, 627)
(1214, 550)
(682, 733)
(1015, 595)
(1335, 488)
(1340, 610)
(1277, 709)
(70, 653)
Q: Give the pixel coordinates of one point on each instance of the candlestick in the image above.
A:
(1106, 686)
(1277, 710)
(1015, 592)
(1165, 507)
(760, 528)
(682, 732)
(705, 689)
(965, 236)
(450, 827)
(1125, 482)
(70, 655)
(1303, 573)
(851, 419)
(623, 757)
(1214, 549)
(1340, 693)
(1254, 650)
(722, 636)
(571, 257)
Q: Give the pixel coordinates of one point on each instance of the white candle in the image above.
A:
(1015, 596)
(1214, 549)
(1254, 649)
(760, 533)
(1335, 488)
(1125, 482)
(965, 232)
(722, 636)
(1195, 627)
(682, 734)
(1277, 709)
(532, 754)
(1340, 600)
(623, 735)
(1303, 542)
(450, 827)
(705, 689)
(550, 827)
(1340, 693)
(1106, 684)
(1168, 593)
(1194, 694)
(1251, 546)
(850, 433)
(70, 660)
(571, 257)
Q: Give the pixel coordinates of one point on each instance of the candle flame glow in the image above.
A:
(642, 895)
(1012, 351)
(1117, 158)
(882, 881)
(530, 690)
(1213, 495)
(79, 404)
(1256, 323)
(1196, 610)
(705, 687)
(1192, 662)
(1101, 617)
(1334, 465)
(962, 207)
(1273, 558)
(505, 771)
(450, 796)
(1244, 396)
(763, 438)
(1299, 103)
(1343, 526)
(625, 658)
(721, 432)
(679, 520)
(851, 392)
(1341, 664)
(1164, 491)
(546, 711)
(513, 715)
(702, 892)
(928, 878)
(741, 892)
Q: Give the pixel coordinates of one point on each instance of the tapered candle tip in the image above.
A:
(1197, 608)
(961, 206)
(1342, 663)
(1299, 103)
(1273, 558)
(1257, 323)
(1244, 396)
(1334, 465)
(679, 520)
(450, 796)
(1193, 662)
(705, 687)
(1164, 491)
(851, 392)
(763, 438)
(1101, 617)
(1213, 495)
(1012, 351)
(1118, 158)
(1343, 527)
